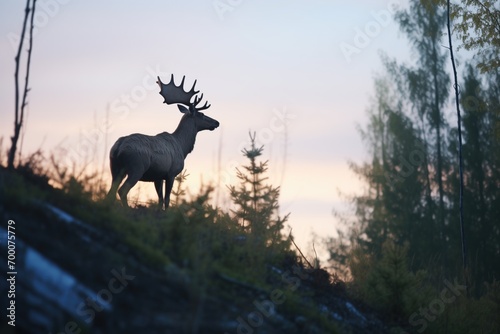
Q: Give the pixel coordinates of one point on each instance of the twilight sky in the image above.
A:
(298, 73)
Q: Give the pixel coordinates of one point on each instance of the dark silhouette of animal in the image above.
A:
(156, 158)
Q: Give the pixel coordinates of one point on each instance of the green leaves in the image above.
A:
(477, 25)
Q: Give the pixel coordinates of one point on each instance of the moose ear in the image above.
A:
(182, 109)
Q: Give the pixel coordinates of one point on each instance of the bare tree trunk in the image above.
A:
(19, 110)
(460, 160)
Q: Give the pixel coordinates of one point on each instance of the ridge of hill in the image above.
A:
(86, 266)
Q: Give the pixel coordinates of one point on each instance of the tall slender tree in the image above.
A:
(20, 105)
(392, 206)
(406, 199)
(423, 24)
(481, 154)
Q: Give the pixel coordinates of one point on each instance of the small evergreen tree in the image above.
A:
(257, 202)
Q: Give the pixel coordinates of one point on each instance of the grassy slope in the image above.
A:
(195, 270)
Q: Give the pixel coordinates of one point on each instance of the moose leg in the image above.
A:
(112, 191)
(169, 183)
(115, 183)
(125, 188)
(159, 191)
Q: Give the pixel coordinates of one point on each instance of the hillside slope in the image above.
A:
(85, 266)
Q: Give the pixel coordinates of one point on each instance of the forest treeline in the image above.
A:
(403, 234)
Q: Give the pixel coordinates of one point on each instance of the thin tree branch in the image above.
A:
(457, 103)
(291, 239)
(15, 137)
(492, 15)
(28, 63)
(21, 130)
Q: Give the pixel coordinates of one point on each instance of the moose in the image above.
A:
(156, 158)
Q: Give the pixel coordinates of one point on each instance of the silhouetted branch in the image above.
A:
(19, 111)
(293, 242)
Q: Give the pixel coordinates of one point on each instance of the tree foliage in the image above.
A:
(411, 195)
(257, 202)
(477, 24)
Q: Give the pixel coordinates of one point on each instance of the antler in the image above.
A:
(176, 94)
(198, 100)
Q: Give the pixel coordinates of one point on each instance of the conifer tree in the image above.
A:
(481, 196)
(257, 202)
(428, 86)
